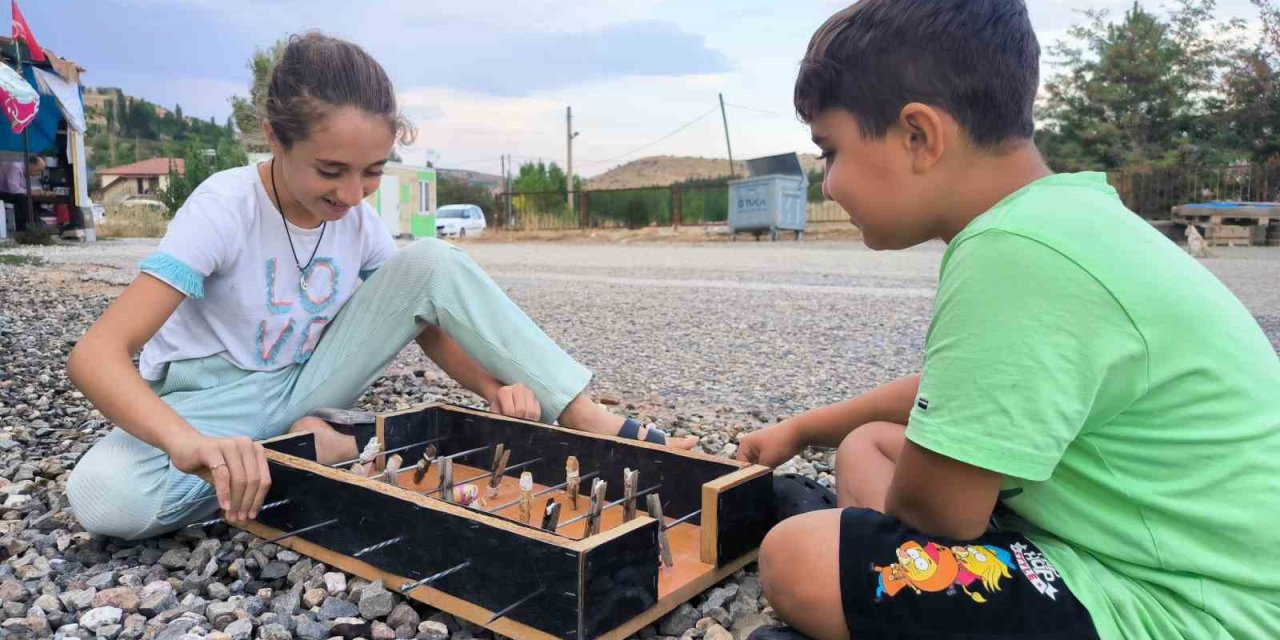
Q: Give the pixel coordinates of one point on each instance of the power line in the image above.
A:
(646, 146)
(764, 111)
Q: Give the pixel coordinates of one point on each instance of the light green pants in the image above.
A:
(126, 488)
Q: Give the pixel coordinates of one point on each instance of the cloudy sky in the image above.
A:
(489, 77)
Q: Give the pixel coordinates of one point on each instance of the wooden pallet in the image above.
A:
(566, 584)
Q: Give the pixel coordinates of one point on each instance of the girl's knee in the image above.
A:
(310, 424)
(105, 503)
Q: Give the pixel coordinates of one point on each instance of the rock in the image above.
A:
(175, 558)
(221, 614)
(109, 631)
(403, 615)
(675, 624)
(78, 599)
(176, 629)
(285, 605)
(432, 630)
(381, 631)
(749, 586)
(157, 597)
(14, 610)
(287, 556)
(12, 591)
(134, 626)
(312, 630)
(314, 598)
(742, 627)
(376, 602)
(335, 583)
(351, 628)
(718, 597)
(717, 632)
(241, 629)
(218, 635)
(100, 616)
(274, 571)
(254, 606)
(721, 616)
(122, 598)
(299, 571)
(333, 608)
(274, 632)
(218, 591)
(743, 606)
(47, 603)
(101, 581)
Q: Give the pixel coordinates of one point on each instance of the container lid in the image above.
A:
(787, 164)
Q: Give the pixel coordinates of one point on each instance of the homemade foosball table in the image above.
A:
(530, 530)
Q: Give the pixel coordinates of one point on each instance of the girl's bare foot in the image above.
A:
(585, 415)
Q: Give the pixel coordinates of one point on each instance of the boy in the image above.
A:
(1134, 472)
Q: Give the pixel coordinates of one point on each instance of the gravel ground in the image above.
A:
(714, 340)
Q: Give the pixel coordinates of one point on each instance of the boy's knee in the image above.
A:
(883, 439)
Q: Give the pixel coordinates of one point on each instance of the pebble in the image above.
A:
(432, 630)
(375, 601)
(95, 618)
(335, 583)
(333, 608)
(241, 629)
(274, 632)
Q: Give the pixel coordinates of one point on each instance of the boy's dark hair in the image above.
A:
(317, 73)
(978, 60)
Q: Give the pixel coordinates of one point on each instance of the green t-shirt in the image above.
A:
(1132, 398)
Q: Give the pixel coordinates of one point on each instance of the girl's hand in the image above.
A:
(516, 401)
(236, 467)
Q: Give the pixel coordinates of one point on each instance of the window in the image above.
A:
(424, 195)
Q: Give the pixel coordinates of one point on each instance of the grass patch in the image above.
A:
(15, 260)
(133, 222)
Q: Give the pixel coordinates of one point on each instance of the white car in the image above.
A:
(459, 220)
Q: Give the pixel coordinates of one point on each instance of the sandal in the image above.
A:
(795, 494)
(631, 431)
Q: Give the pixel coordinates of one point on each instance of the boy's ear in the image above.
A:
(924, 132)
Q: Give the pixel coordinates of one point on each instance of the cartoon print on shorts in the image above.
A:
(934, 568)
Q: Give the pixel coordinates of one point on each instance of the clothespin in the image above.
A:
(526, 497)
(446, 479)
(598, 488)
(571, 480)
(664, 543)
(629, 479)
(500, 457)
(393, 468)
(551, 515)
(428, 456)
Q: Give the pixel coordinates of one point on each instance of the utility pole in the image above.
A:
(570, 135)
(725, 118)
(507, 181)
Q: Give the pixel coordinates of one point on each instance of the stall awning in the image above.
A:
(67, 95)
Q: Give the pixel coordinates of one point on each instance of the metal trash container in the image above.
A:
(775, 198)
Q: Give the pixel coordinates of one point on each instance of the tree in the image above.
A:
(248, 112)
(199, 164)
(1136, 91)
(460, 191)
(1250, 119)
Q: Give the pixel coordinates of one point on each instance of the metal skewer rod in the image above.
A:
(381, 545)
(298, 531)
(395, 450)
(541, 493)
(511, 607)
(410, 586)
(484, 475)
(269, 505)
(610, 504)
(681, 520)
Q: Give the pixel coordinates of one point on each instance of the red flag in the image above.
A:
(22, 32)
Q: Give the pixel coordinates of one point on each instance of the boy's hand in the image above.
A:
(772, 445)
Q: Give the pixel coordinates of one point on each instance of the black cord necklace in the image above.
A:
(302, 269)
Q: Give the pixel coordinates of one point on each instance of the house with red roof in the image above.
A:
(145, 178)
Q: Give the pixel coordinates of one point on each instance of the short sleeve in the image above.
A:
(377, 244)
(202, 237)
(1022, 348)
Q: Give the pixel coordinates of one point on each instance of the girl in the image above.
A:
(249, 317)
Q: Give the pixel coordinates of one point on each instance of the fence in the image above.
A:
(676, 205)
(1153, 192)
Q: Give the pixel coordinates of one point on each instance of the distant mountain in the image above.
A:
(661, 171)
(470, 177)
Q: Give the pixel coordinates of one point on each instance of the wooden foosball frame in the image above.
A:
(482, 561)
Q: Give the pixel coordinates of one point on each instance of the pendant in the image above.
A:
(304, 283)
(302, 276)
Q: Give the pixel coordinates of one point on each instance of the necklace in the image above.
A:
(302, 269)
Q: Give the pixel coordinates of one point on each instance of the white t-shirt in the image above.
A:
(227, 251)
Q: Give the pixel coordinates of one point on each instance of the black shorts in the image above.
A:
(898, 583)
